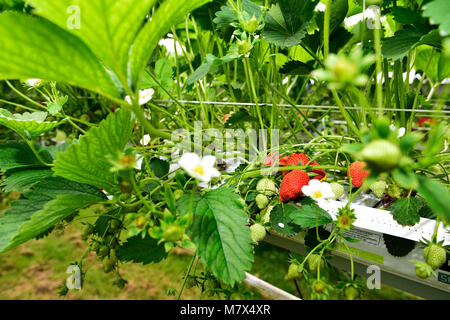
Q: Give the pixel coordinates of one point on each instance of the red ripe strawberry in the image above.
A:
(320, 172)
(357, 173)
(226, 117)
(271, 158)
(291, 186)
(295, 159)
(422, 121)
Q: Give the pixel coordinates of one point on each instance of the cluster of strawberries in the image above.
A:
(294, 180)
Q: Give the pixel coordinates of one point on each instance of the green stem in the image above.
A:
(186, 276)
(379, 87)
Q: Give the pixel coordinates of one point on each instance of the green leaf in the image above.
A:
(238, 117)
(159, 167)
(164, 73)
(49, 201)
(310, 216)
(169, 13)
(398, 46)
(108, 27)
(405, 178)
(406, 16)
(286, 22)
(28, 125)
(54, 108)
(296, 68)
(439, 13)
(227, 15)
(17, 154)
(436, 195)
(39, 49)
(24, 179)
(141, 250)
(221, 234)
(421, 62)
(210, 62)
(406, 211)
(281, 221)
(338, 10)
(409, 141)
(87, 161)
(170, 199)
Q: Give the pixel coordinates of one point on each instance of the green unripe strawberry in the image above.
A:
(177, 194)
(87, 231)
(244, 46)
(378, 188)
(261, 201)
(103, 251)
(252, 25)
(345, 70)
(394, 191)
(319, 287)
(141, 221)
(435, 256)
(243, 188)
(108, 265)
(423, 270)
(257, 232)
(351, 293)
(315, 262)
(237, 296)
(337, 189)
(114, 225)
(95, 246)
(382, 155)
(266, 214)
(173, 233)
(266, 186)
(294, 271)
(113, 257)
(126, 186)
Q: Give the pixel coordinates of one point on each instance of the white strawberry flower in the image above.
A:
(74, 280)
(401, 131)
(145, 140)
(144, 96)
(199, 168)
(318, 190)
(33, 82)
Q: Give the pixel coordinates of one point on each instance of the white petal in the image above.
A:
(189, 160)
(314, 184)
(128, 99)
(33, 82)
(401, 132)
(208, 161)
(145, 96)
(306, 191)
(145, 140)
(213, 172)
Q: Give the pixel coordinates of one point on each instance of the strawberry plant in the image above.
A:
(209, 125)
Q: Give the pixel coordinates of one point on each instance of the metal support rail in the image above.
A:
(388, 276)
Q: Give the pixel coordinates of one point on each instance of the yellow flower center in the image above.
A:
(199, 169)
(127, 161)
(317, 194)
(344, 221)
(38, 82)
